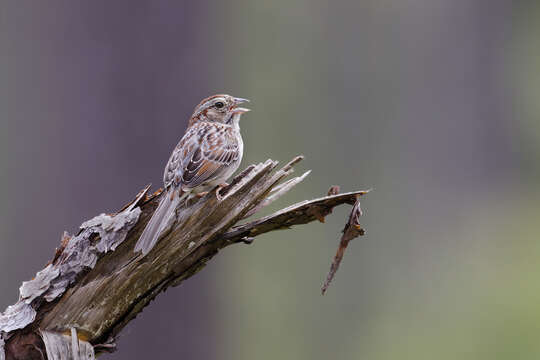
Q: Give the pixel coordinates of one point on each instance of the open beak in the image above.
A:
(240, 110)
(240, 101)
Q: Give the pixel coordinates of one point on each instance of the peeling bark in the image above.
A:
(64, 347)
(67, 312)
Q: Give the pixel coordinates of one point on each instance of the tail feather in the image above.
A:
(160, 219)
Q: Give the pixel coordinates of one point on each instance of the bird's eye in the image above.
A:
(219, 105)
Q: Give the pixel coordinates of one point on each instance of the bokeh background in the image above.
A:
(433, 103)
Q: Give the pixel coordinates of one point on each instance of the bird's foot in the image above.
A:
(201, 194)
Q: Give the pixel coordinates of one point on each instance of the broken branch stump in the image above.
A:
(68, 311)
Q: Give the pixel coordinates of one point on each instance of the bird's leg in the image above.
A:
(218, 189)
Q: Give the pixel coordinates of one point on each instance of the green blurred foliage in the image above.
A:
(447, 269)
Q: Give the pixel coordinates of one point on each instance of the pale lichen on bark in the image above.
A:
(80, 253)
(67, 309)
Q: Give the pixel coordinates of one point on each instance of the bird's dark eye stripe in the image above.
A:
(219, 104)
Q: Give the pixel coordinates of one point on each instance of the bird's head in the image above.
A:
(219, 108)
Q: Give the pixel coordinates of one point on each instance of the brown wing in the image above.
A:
(204, 154)
(184, 150)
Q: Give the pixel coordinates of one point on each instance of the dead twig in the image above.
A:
(352, 230)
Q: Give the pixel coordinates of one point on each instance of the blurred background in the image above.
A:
(433, 103)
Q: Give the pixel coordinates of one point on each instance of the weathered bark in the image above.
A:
(68, 311)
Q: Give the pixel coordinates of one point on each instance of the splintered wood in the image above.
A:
(68, 311)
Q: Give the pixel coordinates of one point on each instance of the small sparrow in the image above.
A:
(207, 155)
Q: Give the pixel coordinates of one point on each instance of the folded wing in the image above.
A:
(204, 154)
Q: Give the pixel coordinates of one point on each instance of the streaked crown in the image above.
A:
(219, 108)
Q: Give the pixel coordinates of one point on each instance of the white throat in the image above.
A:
(235, 122)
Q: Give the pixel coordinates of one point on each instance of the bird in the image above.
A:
(206, 156)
